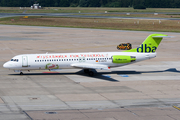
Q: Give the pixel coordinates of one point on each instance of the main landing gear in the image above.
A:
(21, 73)
(91, 73)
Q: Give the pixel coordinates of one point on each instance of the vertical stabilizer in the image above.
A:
(149, 45)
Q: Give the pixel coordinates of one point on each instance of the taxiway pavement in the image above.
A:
(145, 90)
(86, 15)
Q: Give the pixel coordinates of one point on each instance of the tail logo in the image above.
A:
(146, 49)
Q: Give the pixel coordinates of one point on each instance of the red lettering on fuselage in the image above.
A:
(74, 56)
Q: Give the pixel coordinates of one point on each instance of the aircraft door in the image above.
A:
(24, 61)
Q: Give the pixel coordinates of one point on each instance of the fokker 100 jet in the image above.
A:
(86, 61)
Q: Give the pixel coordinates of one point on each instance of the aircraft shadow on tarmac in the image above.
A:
(104, 75)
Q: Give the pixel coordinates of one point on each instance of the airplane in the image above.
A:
(87, 61)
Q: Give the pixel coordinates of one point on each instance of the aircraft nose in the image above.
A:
(6, 65)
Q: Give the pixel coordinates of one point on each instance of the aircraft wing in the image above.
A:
(90, 66)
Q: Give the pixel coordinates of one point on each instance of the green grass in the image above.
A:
(115, 24)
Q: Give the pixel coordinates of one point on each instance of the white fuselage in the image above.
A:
(65, 60)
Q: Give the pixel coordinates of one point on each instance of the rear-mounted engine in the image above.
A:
(123, 59)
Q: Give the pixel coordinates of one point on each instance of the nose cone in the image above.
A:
(6, 65)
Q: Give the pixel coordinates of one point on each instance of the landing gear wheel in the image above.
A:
(86, 70)
(91, 73)
(21, 73)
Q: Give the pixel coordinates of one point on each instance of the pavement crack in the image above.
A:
(132, 112)
(172, 117)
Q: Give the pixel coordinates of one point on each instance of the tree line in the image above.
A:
(93, 3)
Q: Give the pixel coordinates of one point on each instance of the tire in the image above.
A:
(21, 73)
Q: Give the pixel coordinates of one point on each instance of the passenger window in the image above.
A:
(67, 59)
(45, 60)
(57, 59)
(54, 60)
(37, 60)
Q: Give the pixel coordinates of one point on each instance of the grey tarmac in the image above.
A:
(145, 90)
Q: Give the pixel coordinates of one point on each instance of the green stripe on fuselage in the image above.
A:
(123, 59)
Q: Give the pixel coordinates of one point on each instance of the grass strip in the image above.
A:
(114, 24)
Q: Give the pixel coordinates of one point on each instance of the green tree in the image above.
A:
(94, 3)
(103, 2)
(125, 3)
(64, 3)
(84, 3)
(139, 4)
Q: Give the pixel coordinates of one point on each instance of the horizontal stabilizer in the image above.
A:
(90, 66)
(162, 36)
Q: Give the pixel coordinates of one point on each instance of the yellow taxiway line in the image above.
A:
(176, 107)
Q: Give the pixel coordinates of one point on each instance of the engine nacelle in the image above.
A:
(123, 59)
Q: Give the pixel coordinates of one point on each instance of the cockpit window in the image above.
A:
(15, 60)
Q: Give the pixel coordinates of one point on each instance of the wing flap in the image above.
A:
(90, 66)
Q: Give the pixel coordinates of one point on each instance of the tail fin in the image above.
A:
(150, 44)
